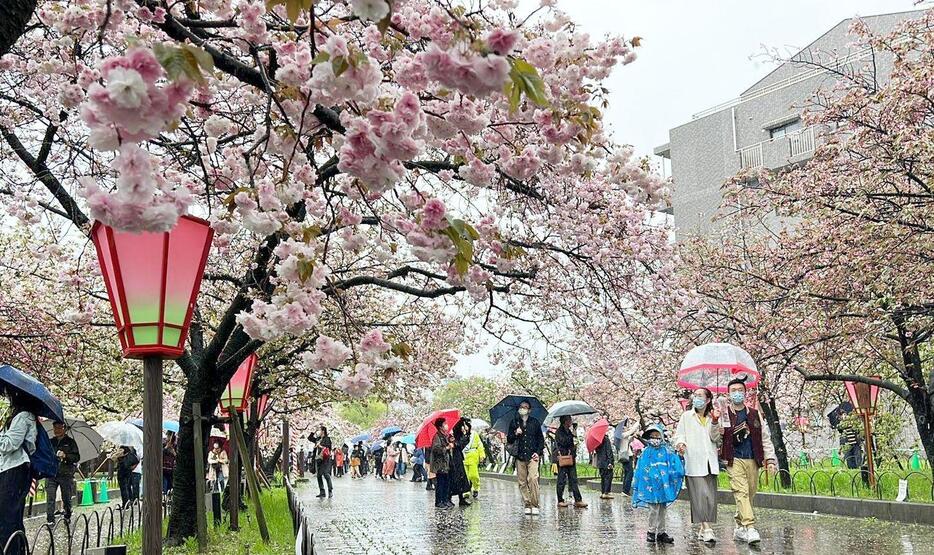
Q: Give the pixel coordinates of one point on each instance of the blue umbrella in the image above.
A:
(390, 431)
(619, 429)
(362, 438)
(377, 445)
(46, 403)
(409, 439)
(168, 425)
(504, 411)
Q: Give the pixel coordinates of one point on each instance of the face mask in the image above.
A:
(523, 412)
(655, 441)
(699, 403)
(737, 397)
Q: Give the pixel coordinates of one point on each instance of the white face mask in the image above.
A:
(523, 412)
(655, 441)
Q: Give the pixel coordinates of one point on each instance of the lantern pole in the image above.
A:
(234, 485)
(152, 455)
(867, 425)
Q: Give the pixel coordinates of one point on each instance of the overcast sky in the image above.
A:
(695, 54)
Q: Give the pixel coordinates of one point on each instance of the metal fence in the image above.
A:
(89, 530)
(304, 538)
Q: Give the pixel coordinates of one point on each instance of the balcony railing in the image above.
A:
(751, 156)
(801, 142)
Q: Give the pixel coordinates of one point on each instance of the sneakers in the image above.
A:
(528, 511)
(563, 504)
(752, 535)
(650, 537)
(580, 505)
(739, 534)
(475, 494)
(664, 538)
(707, 536)
(535, 511)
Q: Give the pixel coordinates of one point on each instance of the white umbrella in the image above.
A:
(88, 440)
(478, 424)
(567, 408)
(122, 433)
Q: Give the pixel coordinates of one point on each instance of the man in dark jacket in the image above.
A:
(527, 443)
(66, 450)
(441, 447)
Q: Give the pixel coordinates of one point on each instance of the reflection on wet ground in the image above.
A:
(370, 516)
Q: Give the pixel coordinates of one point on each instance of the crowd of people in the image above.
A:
(655, 463)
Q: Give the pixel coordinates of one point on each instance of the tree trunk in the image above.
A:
(778, 439)
(14, 15)
(271, 464)
(182, 522)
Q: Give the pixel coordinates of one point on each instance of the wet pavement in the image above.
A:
(371, 516)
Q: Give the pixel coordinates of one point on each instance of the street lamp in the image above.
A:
(236, 396)
(152, 282)
(863, 397)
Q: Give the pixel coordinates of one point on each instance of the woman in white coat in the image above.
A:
(696, 438)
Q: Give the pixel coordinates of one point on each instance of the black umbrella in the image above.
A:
(504, 411)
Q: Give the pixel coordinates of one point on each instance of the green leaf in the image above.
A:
(461, 264)
(321, 58)
(525, 79)
(402, 350)
(305, 269)
(293, 8)
(384, 23)
(186, 61)
(339, 65)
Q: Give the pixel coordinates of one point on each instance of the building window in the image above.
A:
(785, 129)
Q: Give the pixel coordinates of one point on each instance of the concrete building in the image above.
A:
(762, 127)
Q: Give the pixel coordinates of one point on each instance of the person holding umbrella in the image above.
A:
(623, 437)
(696, 439)
(441, 446)
(459, 484)
(66, 450)
(17, 443)
(603, 460)
(566, 448)
(526, 443)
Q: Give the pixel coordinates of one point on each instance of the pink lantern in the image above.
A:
(152, 281)
(236, 396)
(262, 404)
(863, 396)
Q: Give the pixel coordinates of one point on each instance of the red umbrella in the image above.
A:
(596, 433)
(426, 432)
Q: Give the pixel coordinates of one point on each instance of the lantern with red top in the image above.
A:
(152, 281)
(236, 395)
(863, 397)
(260, 405)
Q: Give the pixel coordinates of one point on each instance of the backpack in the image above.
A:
(325, 454)
(42, 462)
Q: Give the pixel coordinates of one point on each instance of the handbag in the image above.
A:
(565, 460)
(512, 449)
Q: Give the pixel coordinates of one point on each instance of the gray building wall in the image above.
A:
(705, 152)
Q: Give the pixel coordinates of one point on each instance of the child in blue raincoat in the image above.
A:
(657, 481)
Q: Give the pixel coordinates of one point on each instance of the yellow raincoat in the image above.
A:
(474, 453)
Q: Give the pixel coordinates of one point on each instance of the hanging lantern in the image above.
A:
(152, 281)
(236, 395)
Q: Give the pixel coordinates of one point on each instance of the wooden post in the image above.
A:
(251, 479)
(285, 447)
(152, 455)
(867, 424)
(200, 510)
(234, 478)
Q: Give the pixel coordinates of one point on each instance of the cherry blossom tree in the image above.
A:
(345, 155)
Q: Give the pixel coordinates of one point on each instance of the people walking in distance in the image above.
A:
(657, 482)
(625, 453)
(747, 447)
(17, 444)
(696, 439)
(474, 455)
(459, 483)
(218, 461)
(527, 444)
(603, 460)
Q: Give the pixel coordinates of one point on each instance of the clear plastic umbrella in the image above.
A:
(122, 433)
(567, 408)
(478, 424)
(713, 366)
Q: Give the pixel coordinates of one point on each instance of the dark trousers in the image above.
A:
(166, 480)
(135, 480)
(627, 476)
(14, 485)
(567, 475)
(52, 485)
(418, 473)
(324, 474)
(442, 489)
(606, 480)
(125, 481)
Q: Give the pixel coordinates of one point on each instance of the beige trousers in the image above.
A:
(527, 472)
(744, 478)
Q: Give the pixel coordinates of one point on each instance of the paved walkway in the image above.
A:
(370, 516)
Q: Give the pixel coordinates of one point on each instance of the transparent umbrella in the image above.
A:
(122, 433)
